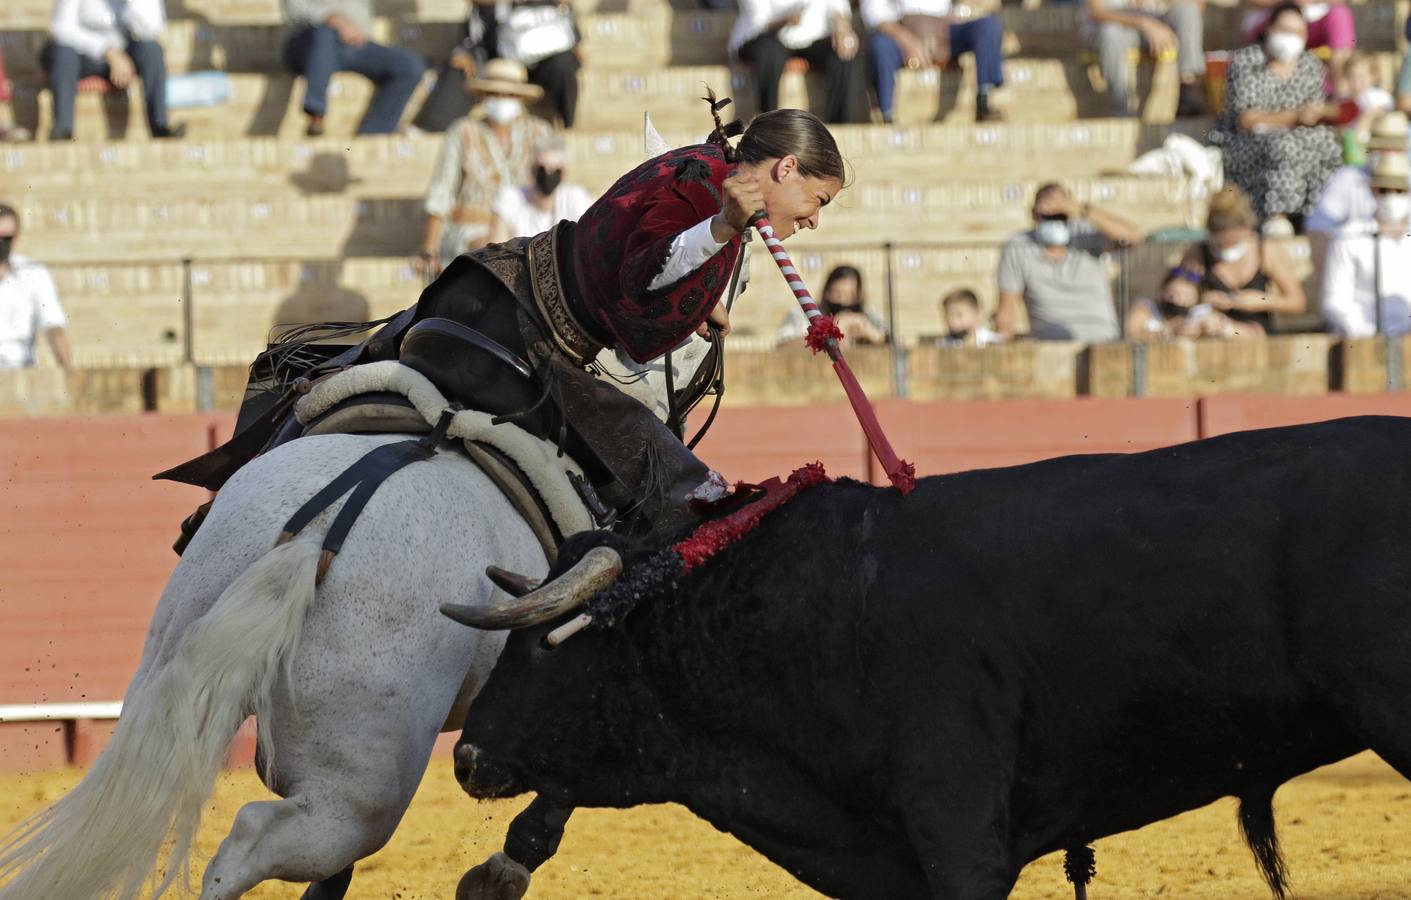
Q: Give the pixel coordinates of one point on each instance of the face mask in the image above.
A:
(502, 110)
(1393, 209)
(5, 243)
(1052, 233)
(547, 180)
(1233, 254)
(1284, 46)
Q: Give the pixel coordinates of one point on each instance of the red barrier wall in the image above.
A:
(85, 533)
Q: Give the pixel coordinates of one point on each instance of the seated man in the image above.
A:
(1116, 27)
(1055, 272)
(327, 36)
(114, 39)
(1367, 284)
(29, 304)
(917, 33)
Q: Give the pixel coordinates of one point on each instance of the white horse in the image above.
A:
(350, 681)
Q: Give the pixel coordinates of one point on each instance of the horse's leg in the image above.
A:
(532, 839)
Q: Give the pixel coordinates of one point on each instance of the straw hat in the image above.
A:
(1389, 132)
(1392, 171)
(505, 76)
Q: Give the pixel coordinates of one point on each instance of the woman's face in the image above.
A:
(1288, 30)
(843, 293)
(794, 201)
(1229, 242)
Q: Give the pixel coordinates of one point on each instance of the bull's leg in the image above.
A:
(958, 826)
(533, 838)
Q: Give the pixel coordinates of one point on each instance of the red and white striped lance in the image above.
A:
(824, 335)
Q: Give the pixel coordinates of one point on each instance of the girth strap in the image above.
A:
(362, 478)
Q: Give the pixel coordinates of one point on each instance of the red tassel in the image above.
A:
(821, 329)
(714, 536)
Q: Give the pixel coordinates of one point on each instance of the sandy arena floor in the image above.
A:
(1344, 831)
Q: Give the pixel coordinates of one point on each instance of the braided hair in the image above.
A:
(776, 134)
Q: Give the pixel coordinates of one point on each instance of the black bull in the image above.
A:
(915, 697)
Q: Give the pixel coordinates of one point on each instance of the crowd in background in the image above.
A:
(1310, 145)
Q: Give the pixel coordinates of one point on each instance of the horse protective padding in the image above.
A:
(547, 470)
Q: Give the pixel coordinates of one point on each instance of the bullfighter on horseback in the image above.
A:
(644, 268)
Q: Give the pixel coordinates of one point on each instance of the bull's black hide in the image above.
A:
(911, 697)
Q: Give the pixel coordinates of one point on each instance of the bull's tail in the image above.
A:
(1257, 823)
(105, 837)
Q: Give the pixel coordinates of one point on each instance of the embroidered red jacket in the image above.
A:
(622, 242)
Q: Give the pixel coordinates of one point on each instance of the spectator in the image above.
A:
(768, 33)
(918, 33)
(1117, 27)
(541, 35)
(1276, 147)
(327, 36)
(9, 131)
(1403, 75)
(28, 303)
(1329, 25)
(961, 311)
(524, 210)
(1346, 204)
(1372, 101)
(1367, 273)
(1228, 285)
(1054, 270)
(843, 299)
(489, 149)
(114, 39)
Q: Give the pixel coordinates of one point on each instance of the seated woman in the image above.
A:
(842, 298)
(1229, 285)
(768, 33)
(1330, 25)
(1277, 148)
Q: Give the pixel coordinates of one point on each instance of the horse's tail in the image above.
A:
(104, 838)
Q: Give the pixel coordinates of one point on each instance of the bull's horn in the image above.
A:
(511, 583)
(595, 571)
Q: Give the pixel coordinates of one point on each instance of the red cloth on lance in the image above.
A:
(622, 243)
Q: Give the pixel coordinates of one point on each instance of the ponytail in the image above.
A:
(721, 134)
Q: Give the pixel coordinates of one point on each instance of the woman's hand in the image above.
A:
(718, 317)
(743, 199)
(845, 41)
(1218, 300)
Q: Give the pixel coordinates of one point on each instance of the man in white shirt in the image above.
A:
(29, 304)
(919, 33)
(114, 39)
(1371, 272)
(1117, 27)
(1346, 205)
(768, 33)
(524, 210)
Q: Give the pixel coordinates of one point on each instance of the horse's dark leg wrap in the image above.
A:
(534, 834)
(332, 888)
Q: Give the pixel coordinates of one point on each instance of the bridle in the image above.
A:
(709, 377)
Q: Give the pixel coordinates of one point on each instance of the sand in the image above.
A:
(1344, 831)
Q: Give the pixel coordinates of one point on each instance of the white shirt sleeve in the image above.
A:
(145, 19)
(876, 12)
(1342, 310)
(47, 311)
(67, 28)
(754, 17)
(689, 251)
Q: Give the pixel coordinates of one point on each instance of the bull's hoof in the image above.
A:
(497, 878)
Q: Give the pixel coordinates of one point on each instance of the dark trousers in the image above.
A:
(846, 100)
(66, 66)
(558, 76)
(981, 37)
(316, 53)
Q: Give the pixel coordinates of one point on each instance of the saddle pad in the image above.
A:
(537, 459)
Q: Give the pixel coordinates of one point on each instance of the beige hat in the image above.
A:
(1393, 171)
(504, 76)
(1389, 132)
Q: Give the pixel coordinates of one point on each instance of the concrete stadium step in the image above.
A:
(924, 154)
(61, 227)
(1039, 90)
(651, 35)
(132, 313)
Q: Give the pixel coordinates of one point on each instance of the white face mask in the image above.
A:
(1284, 46)
(1235, 253)
(1393, 209)
(1052, 233)
(502, 110)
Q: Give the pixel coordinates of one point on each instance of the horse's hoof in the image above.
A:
(497, 878)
